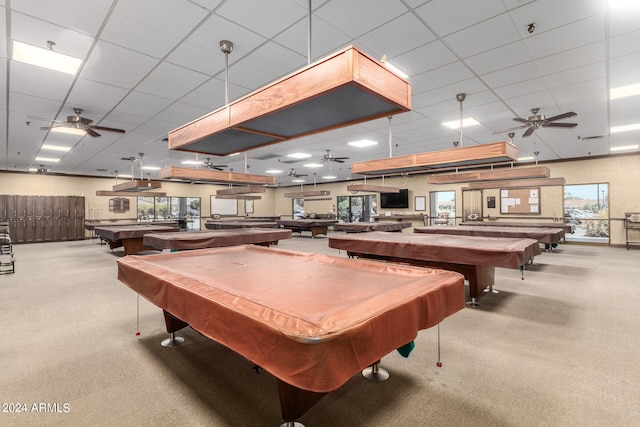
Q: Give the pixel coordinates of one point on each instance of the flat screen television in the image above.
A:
(395, 200)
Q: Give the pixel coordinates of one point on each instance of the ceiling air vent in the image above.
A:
(587, 138)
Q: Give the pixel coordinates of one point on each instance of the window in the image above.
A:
(441, 203)
(174, 208)
(297, 208)
(587, 207)
(357, 208)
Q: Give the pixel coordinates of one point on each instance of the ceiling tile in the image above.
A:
(252, 14)
(487, 35)
(406, 28)
(499, 58)
(117, 66)
(437, 14)
(585, 32)
(357, 17)
(171, 81)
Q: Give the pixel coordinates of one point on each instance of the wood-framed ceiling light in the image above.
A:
(342, 89)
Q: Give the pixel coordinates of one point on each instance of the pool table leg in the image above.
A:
(173, 324)
(295, 402)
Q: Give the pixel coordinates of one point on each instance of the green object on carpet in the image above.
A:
(406, 349)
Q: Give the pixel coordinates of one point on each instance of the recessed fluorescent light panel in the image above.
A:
(299, 155)
(362, 143)
(625, 128)
(273, 171)
(55, 148)
(522, 159)
(624, 148)
(192, 162)
(68, 130)
(624, 91)
(46, 58)
(47, 159)
(298, 180)
(455, 124)
(151, 168)
(329, 177)
(312, 165)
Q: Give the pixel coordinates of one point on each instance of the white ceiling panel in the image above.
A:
(157, 65)
(581, 33)
(281, 14)
(37, 32)
(65, 13)
(37, 81)
(424, 58)
(171, 81)
(357, 17)
(324, 38)
(406, 27)
(499, 58)
(487, 35)
(116, 66)
(438, 14)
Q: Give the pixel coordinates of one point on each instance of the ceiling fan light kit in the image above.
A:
(78, 125)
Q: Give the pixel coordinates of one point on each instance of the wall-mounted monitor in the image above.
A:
(395, 200)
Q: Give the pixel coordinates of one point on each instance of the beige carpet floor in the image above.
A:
(560, 348)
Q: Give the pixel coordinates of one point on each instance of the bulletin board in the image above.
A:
(520, 201)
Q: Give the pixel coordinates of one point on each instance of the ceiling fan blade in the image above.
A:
(561, 116)
(85, 121)
(559, 125)
(91, 132)
(510, 129)
(341, 158)
(338, 160)
(528, 131)
(520, 119)
(47, 128)
(108, 129)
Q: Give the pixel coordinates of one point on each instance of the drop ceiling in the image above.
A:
(152, 66)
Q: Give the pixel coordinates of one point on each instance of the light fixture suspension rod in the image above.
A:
(141, 178)
(245, 162)
(460, 97)
(226, 47)
(390, 138)
(309, 33)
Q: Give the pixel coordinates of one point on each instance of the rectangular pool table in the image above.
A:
(227, 225)
(475, 257)
(313, 321)
(130, 236)
(187, 240)
(567, 227)
(550, 237)
(315, 226)
(365, 227)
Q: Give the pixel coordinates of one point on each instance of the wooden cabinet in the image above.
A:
(43, 218)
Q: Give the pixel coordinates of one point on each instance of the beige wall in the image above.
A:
(621, 173)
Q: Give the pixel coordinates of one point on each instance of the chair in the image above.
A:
(442, 219)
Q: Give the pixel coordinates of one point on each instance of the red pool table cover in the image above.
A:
(311, 320)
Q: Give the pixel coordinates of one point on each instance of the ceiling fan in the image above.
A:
(329, 158)
(208, 164)
(535, 120)
(293, 173)
(80, 123)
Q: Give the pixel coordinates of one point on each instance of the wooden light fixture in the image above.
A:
(249, 189)
(492, 175)
(475, 155)
(308, 193)
(372, 188)
(210, 175)
(238, 196)
(137, 185)
(345, 88)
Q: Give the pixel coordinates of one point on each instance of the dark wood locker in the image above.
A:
(64, 228)
(3, 208)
